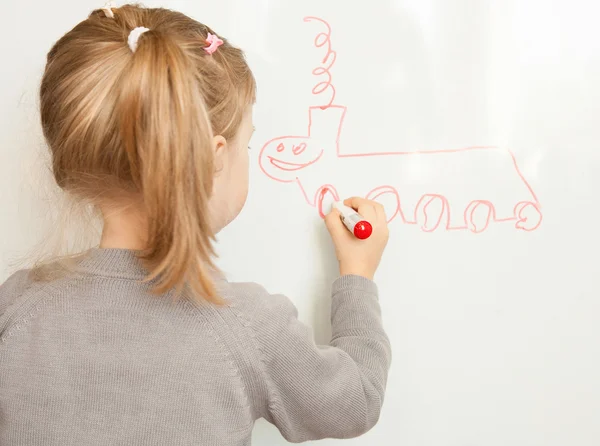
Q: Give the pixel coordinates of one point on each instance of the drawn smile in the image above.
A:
(291, 167)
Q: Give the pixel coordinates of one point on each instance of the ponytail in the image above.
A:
(167, 137)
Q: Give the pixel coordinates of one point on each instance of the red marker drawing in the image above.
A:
(458, 194)
(355, 223)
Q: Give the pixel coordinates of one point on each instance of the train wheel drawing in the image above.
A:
(478, 215)
(326, 196)
(528, 216)
(431, 212)
(389, 198)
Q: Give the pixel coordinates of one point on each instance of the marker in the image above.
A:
(355, 223)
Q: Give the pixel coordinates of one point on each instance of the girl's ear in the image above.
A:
(220, 149)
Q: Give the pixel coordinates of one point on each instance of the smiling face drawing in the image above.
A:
(283, 158)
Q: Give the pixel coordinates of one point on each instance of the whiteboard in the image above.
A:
(475, 122)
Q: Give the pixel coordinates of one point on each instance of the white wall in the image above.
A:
(495, 335)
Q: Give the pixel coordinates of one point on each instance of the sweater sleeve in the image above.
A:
(328, 391)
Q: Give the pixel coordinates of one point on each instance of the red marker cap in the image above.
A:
(363, 230)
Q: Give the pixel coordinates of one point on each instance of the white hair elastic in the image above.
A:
(134, 36)
(108, 10)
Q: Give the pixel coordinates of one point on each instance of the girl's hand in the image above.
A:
(359, 257)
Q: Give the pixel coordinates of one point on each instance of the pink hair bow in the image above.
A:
(213, 43)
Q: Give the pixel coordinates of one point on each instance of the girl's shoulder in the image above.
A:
(14, 287)
(253, 295)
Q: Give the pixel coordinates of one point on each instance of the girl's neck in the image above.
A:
(123, 229)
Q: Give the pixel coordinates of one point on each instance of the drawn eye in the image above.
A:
(280, 147)
(299, 148)
(249, 148)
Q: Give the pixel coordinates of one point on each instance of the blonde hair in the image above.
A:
(140, 125)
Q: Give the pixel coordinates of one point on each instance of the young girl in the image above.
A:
(148, 114)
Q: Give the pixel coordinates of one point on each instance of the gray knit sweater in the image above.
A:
(94, 359)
